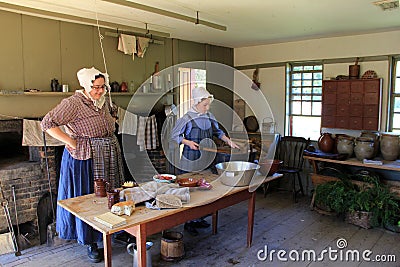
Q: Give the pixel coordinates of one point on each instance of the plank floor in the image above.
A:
(280, 224)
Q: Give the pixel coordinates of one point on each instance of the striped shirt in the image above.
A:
(82, 121)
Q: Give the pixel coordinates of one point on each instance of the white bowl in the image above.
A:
(164, 178)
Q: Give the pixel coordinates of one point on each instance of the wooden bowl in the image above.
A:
(273, 166)
(188, 182)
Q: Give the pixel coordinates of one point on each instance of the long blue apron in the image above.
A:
(197, 160)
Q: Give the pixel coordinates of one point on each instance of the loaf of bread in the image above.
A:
(125, 207)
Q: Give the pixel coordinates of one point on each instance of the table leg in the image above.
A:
(141, 245)
(107, 250)
(214, 222)
(250, 218)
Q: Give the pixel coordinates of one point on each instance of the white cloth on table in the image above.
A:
(151, 189)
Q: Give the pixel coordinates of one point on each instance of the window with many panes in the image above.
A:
(304, 96)
(394, 119)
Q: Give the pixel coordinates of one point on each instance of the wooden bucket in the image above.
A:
(172, 248)
(354, 71)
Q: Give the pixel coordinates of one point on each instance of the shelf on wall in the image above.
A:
(21, 93)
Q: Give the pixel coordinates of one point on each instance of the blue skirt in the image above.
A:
(76, 179)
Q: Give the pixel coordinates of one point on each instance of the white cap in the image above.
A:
(87, 76)
(199, 93)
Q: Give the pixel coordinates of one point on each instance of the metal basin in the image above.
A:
(236, 173)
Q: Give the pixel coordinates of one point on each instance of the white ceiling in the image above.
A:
(250, 22)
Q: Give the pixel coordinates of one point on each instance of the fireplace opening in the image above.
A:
(11, 150)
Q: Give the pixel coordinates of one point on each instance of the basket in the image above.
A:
(359, 218)
(268, 126)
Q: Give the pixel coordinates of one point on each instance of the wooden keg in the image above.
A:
(172, 247)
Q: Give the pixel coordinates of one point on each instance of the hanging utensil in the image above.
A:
(22, 241)
(4, 203)
(6, 239)
(51, 228)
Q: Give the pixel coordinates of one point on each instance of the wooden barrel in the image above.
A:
(172, 248)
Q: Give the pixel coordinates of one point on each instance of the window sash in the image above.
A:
(305, 89)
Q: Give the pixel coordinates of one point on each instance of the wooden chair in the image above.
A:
(290, 151)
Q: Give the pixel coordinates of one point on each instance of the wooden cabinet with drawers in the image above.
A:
(351, 104)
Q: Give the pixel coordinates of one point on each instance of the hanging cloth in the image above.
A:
(142, 44)
(151, 133)
(127, 121)
(127, 44)
(32, 135)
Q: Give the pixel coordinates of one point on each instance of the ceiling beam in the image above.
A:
(166, 13)
(76, 19)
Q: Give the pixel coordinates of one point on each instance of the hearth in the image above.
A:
(24, 168)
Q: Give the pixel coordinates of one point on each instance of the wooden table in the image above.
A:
(144, 222)
(317, 178)
(387, 165)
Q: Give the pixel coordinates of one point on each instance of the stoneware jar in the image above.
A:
(364, 148)
(345, 145)
(374, 135)
(326, 143)
(389, 146)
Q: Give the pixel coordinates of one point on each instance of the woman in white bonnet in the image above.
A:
(91, 151)
(197, 128)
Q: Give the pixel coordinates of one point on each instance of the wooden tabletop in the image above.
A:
(88, 206)
(387, 165)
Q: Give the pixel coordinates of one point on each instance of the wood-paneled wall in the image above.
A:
(35, 50)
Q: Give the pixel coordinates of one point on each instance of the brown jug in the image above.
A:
(100, 187)
(112, 197)
(326, 143)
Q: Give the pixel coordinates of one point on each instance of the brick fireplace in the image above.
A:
(25, 169)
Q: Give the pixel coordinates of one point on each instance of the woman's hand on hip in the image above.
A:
(72, 144)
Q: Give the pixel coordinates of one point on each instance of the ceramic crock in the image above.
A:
(345, 145)
(390, 146)
(364, 148)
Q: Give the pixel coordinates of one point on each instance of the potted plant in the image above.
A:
(390, 211)
(372, 204)
(333, 196)
(361, 208)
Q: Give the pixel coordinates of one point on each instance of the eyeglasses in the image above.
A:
(98, 87)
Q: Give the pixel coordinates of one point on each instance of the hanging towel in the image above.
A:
(127, 44)
(151, 133)
(32, 135)
(141, 133)
(127, 122)
(142, 44)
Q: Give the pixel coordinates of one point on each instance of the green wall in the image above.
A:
(37, 50)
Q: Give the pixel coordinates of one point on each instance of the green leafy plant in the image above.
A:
(334, 195)
(375, 197)
(367, 195)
